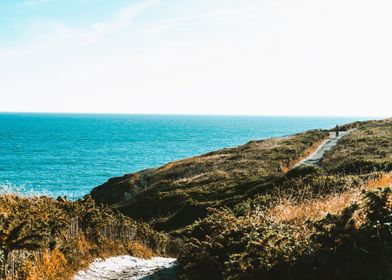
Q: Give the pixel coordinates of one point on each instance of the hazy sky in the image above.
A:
(263, 57)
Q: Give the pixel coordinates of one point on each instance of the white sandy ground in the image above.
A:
(129, 268)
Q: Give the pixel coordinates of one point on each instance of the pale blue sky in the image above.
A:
(258, 57)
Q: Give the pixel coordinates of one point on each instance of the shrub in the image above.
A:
(354, 243)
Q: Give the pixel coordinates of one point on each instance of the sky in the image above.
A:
(235, 57)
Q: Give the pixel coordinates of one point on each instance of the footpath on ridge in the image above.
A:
(315, 157)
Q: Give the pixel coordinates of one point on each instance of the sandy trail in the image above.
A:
(317, 155)
(129, 268)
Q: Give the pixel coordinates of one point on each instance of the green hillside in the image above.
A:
(175, 195)
(244, 214)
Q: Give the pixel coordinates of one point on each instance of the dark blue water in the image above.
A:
(70, 154)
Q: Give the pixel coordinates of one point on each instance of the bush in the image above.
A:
(247, 247)
(52, 239)
(353, 244)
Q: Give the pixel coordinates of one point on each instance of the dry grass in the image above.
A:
(288, 210)
(211, 180)
(139, 250)
(55, 238)
(307, 153)
(365, 150)
(192, 161)
(293, 210)
(385, 180)
(53, 266)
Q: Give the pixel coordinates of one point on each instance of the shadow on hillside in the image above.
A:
(169, 273)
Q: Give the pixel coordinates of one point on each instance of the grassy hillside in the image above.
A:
(241, 213)
(337, 236)
(327, 222)
(366, 149)
(177, 194)
(262, 220)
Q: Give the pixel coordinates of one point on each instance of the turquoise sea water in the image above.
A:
(60, 154)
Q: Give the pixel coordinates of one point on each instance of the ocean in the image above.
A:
(69, 154)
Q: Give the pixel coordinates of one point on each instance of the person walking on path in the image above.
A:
(337, 130)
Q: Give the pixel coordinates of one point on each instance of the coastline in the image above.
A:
(207, 204)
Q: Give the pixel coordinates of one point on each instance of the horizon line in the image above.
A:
(189, 114)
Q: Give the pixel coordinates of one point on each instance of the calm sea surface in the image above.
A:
(60, 154)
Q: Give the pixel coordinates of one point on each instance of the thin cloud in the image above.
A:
(124, 18)
(120, 22)
(60, 35)
(247, 13)
(31, 3)
(248, 57)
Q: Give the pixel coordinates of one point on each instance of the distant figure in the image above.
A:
(337, 130)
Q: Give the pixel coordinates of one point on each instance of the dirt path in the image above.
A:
(317, 155)
(129, 268)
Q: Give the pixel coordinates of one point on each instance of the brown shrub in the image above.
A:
(52, 266)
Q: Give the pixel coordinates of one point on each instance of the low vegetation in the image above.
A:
(366, 149)
(177, 194)
(43, 238)
(328, 222)
(349, 239)
(238, 213)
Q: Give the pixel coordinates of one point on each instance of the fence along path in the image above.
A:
(113, 232)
